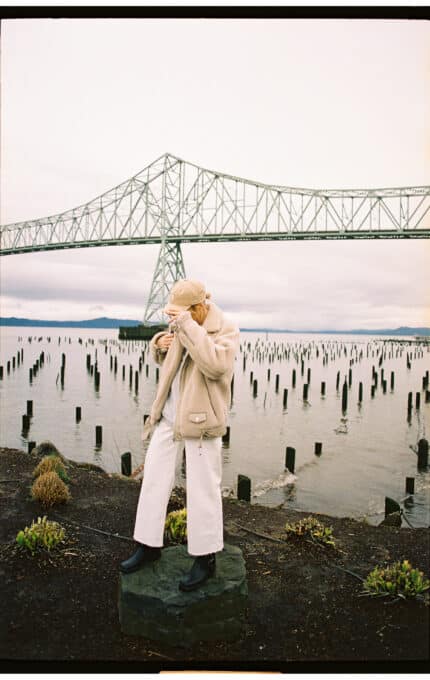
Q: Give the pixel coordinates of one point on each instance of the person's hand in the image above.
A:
(165, 341)
(172, 314)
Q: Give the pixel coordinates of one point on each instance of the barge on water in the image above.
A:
(140, 332)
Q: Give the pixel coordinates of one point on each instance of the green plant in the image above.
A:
(49, 489)
(176, 525)
(314, 529)
(43, 533)
(398, 579)
(51, 463)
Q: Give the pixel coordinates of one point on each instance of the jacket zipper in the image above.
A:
(209, 395)
(179, 400)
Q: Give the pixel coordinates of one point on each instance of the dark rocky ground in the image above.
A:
(304, 605)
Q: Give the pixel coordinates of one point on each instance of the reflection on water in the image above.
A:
(367, 450)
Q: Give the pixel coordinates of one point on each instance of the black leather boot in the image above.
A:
(144, 553)
(203, 567)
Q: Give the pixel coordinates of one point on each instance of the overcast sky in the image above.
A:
(85, 104)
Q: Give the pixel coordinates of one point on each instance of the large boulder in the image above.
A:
(151, 604)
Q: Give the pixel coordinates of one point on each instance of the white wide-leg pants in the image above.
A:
(203, 481)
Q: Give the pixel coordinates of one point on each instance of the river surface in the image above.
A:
(367, 451)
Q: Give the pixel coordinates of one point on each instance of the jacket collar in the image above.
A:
(213, 321)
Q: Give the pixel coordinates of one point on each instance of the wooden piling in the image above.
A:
(243, 488)
(305, 391)
(285, 398)
(25, 422)
(226, 436)
(318, 448)
(29, 407)
(294, 378)
(360, 392)
(126, 464)
(31, 446)
(417, 400)
(290, 458)
(255, 388)
(344, 396)
(423, 453)
(323, 388)
(78, 413)
(410, 485)
(99, 435)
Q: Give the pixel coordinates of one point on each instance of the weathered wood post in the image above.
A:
(318, 448)
(294, 378)
(226, 436)
(360, 392)
(290, 458)
(126, 464)
(99, 435)
(243, 488)
(337, 379)
(344, 395)
(255, 388)
(423, 453)
(78, 414)
(305, 391)
(323, 388)
(29, 407)
(285, 398)
(410, 484)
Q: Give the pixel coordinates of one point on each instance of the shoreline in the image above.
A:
(304, 603)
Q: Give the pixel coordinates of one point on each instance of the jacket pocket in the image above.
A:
(197, 417)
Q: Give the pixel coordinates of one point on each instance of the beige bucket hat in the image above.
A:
(184, 293)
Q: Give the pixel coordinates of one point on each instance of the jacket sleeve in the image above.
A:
(157, 354)
(213, 356)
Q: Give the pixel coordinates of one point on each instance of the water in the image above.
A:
(366, 452)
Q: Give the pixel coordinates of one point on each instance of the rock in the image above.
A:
(151, 604)
(394, 519)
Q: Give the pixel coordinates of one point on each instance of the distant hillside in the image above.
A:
(105, 322)
(102, 322)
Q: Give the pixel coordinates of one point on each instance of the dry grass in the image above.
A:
(50, 463)
(50, 490)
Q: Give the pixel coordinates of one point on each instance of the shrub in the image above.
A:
(176, 525)
(43, 533)
(314, 529)
(47, 448)
(51, 463)
(398, 579)
(49, 489)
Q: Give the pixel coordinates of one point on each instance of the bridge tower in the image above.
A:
(170, 264)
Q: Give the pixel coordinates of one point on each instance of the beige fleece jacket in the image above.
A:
(205, 381)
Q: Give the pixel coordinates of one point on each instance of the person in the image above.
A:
(190, 408)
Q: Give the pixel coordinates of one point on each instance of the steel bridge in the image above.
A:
(173, 201)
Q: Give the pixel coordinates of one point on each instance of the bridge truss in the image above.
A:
(173, 201)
